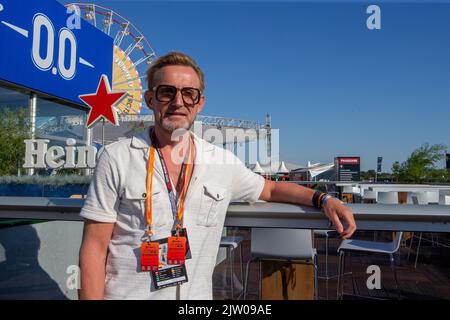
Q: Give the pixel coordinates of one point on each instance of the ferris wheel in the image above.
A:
(132, 53)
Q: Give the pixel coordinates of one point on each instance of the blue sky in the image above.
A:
(332, 86)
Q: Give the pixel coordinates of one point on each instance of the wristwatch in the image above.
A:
(325, 200)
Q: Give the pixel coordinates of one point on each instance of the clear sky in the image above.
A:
(332, 86)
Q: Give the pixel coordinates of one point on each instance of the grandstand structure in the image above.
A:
(132, 124)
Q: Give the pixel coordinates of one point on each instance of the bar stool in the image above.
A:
(423, 198)
(271, 244)
(231, 243)
(326, 234)
(348, 246)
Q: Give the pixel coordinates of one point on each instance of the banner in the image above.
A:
(49, 49)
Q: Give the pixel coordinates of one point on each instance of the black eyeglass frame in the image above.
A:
(156, 88)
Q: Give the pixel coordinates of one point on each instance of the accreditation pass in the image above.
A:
(169, 276)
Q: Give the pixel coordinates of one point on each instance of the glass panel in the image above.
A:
(13, 99)
(57, 122)
(14, 128)
(29, 267)
(54, 121)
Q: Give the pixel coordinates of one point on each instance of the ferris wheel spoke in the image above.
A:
(131, 47)
(118, 38)
(94, 16)
(107, 22)
(130, 98)
(127, 108)
(90, 12)
(121, 34)
(126, 81)
(118, 74)
(127, 89)
(135, 105)
(148, 57)
(134, 110)
(132, 66)
(137, 100)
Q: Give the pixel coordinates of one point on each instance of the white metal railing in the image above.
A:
(385, 217)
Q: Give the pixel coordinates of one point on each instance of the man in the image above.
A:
(147, 190)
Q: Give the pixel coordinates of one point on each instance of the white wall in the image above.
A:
(34, 260)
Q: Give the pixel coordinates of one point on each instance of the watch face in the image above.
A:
(325, 199)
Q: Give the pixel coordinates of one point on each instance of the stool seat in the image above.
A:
(231, 241)
(368, 246)
(325, 233)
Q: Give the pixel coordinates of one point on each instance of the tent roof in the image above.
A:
(282, 168)
(257, 168)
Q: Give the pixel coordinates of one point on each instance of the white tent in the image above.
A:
(257, 168)
(317, 169)
(274, 167)
(282, 168)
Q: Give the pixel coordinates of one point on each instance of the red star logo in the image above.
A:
(102, 103)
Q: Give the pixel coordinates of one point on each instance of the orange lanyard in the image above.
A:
(149, 185)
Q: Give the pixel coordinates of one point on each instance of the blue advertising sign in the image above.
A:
(42, 50)
(379, 160)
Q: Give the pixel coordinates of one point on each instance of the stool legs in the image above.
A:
(394, 271)
(246, 278)
(242, 263)
(417, 253)
(231, 259)
(260, 278)
(316, 280)
(326, 265)
(410, 246)
(340, 284)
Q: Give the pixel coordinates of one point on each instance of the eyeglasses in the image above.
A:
(166, 93)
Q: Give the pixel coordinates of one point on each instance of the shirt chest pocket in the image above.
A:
(132, 208)
(211, 199)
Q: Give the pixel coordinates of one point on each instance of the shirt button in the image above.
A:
(144, 195)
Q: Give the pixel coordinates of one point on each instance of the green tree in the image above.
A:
(396, 170)
(420, 167)
(368, 175)
(14, 129)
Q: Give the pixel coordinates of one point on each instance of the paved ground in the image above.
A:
(430, 280)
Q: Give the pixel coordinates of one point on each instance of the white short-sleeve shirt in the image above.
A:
(117, 195)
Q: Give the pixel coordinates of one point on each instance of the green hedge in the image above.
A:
(57, 180)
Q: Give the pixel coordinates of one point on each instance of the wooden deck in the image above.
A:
(430, 280)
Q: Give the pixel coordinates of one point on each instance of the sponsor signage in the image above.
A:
(39, 155)
(50, 49)
(348, 168)
(379, 162)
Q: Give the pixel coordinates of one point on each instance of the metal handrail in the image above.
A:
(384, 217)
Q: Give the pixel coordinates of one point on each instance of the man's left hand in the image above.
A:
(335, 211)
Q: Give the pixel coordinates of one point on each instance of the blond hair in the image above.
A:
(174, 59)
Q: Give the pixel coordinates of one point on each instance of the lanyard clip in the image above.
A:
(147, 237)
(178, 228)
